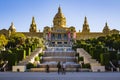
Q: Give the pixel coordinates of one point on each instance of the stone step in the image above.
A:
(59, 54)
(54, 64)
(57, 59)
(55, 69)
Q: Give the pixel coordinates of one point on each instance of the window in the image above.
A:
(65, 36)
(65, 42)
(59, 36)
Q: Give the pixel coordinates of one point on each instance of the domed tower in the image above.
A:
(106, 29)
(59, 19)
(33, 27)
(12, 28)
(85, 26)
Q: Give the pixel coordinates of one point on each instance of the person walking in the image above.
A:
(47, 68)
(59, 67)
(64, 68)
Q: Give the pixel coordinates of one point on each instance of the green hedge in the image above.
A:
(40, 54)
(28, 51)
(80, 58)
(21, 55)
(37, 58)
(30, 65)
(104, 59)
(86, 66)
(118, 56)
(10, 57)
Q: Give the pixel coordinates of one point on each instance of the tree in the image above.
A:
(39, 41)
(35, 40)
(3, 41)
(16, 39)
(116, 44)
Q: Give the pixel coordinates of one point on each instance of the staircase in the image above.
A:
(63, 54)
(95, 65)
(53, 55)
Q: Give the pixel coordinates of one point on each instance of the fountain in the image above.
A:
(63, 54)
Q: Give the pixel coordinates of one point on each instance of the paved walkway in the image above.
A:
(56, 76)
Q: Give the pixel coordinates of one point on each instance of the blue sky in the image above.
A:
(20, 12)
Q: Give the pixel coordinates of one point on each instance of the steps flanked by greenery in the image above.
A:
(95, 65)
(104, 49)
(31, 58)
(18, 47)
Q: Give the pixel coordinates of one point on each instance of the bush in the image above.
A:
(21, 55)
(28, 51)
(118, 56)
(12, 59)
(80, 59)
(30, 65)
(104, 59)
(86, 65)
(37, 58)
(40, 54)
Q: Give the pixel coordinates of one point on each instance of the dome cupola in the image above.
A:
(59, 19)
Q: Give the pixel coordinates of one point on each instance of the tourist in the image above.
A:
(47, 68)
(63, 68)
(59, 67)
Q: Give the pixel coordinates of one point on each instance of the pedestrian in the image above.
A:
(59, 67)
(63, 68)
(47, 68)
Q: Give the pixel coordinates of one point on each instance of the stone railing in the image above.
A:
(95, 65)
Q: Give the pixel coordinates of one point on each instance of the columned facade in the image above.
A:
(59, 34)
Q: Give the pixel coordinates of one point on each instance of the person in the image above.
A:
(63, 68)
(59, 67)
(47, 68)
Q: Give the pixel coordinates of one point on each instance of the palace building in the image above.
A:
(59, 34)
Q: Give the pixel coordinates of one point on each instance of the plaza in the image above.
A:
(55, 76)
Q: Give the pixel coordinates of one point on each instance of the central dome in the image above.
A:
(59, 19)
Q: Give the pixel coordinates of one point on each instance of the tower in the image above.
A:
(33, 27)
(85, 26)
(12, 28)
(106, 29)
(59, 19)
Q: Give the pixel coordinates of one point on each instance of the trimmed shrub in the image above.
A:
(30, 65)
(104, 59)
(21, 55)
(86, 66)
(12, 59)
(28, 51)
(40, 54)
(118, 56)
(37, 58)
(113, 55)
(80, 58)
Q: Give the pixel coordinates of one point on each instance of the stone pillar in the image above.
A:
(118, 69)
(112, 69)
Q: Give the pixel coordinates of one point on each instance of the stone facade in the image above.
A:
(19, 68)
(59, 33)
